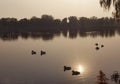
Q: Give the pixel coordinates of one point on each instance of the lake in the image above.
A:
(19, 66)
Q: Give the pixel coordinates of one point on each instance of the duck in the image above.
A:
(97, 48)
(42, 52)
(67, 68)
(102, 46)
(75, 72)
(33, 52)
(96, 44)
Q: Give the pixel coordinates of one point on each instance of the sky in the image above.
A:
(57, 8)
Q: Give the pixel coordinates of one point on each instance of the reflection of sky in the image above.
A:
(18, 65)
(57, 8)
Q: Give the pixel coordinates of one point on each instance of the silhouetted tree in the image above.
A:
(47, 23)
(73, 26)
(64, 23)
(57, 22)
(83, 21)
(64, 26)
(73, 21)
(47, 20)
(116, 4)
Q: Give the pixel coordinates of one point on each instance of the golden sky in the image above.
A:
(56, 8)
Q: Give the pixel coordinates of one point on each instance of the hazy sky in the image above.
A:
(56, 8)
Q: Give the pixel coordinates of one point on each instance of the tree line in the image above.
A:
(47, 23)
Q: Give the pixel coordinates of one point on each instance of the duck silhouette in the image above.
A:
(75, 72)
(96, 44)
(42, 52)
(102, 46)
(67, 68)
(97, 48)
(33, 52)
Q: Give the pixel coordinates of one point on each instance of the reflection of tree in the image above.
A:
(101, 78)
(8, 36)
(65, 33)
(14, 36)
(116, 4)
(50, 35)
(72, 34)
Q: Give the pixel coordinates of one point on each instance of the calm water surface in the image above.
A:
(18, 66)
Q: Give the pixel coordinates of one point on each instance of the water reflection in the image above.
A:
(115, 77)
(18, 66)
(101, 78)
(7, 36)
(80, 68)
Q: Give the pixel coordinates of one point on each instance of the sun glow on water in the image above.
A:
(80, 68)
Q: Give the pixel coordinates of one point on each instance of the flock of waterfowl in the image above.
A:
(98, 47)
(67, 68)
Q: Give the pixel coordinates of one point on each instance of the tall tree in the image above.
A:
(115, 3)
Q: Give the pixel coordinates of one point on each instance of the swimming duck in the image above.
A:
(33, 52)
(102, 46)
(67, 68)
(75, 72)
(97, 48)
(96, 44)
(42, 52)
